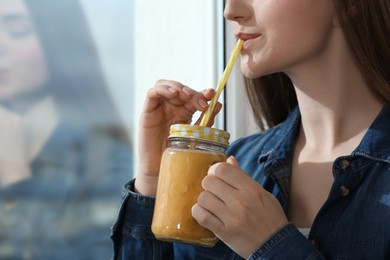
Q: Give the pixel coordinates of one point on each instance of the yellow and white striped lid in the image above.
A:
(199, 132)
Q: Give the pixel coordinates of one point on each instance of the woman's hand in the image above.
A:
(167, 103)
(237, 209)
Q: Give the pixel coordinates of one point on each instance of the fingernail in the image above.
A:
(232, 161)
(187, 91)
(203, 103)
(173, 90)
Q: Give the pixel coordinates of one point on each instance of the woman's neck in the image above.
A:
(337, 106)
(338, 118)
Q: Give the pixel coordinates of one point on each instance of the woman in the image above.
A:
(64, 151)
(321, 170)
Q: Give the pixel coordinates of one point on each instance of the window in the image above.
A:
(73, 77)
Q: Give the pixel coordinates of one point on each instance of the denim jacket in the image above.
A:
(353, 223)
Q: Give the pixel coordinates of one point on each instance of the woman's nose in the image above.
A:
(236, 10)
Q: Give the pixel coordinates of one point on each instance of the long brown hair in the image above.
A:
(366, 25)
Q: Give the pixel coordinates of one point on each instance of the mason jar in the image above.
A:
(192, 150)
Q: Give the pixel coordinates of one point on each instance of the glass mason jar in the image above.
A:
(192, 150)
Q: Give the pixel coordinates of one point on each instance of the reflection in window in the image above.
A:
(64, 150)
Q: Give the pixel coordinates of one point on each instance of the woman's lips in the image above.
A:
(248, 39)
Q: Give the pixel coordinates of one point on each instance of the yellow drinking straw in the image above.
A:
(222, 82)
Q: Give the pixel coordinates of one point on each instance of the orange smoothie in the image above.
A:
(181, 175)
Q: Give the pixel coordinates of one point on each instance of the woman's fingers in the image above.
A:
(177, 94)
(217, 109)
(163, 90)
(230, 174)
(206, 218)
(208, 93)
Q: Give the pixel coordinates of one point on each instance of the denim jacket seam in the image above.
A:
(371, 157)
(273, 132)
(277, 237)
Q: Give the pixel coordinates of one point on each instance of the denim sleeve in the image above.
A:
(132, 235)
(287, 243)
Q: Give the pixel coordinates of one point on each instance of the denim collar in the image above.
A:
(374, 145)
(282, 148)
(278, 152)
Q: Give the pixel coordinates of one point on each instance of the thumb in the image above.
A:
(233, 161)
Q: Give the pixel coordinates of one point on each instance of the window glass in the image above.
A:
(73, 77)
(65, 151)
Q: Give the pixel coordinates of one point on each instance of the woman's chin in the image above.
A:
(248, 73)
(250, 69)
(253, 72)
